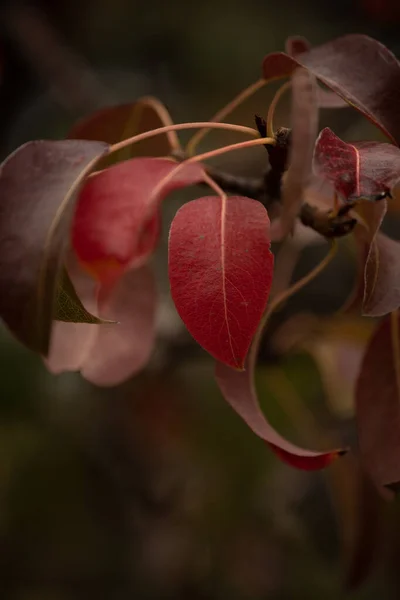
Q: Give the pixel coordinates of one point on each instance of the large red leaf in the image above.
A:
(296, 45)
(358, 68)
(239, 391)
(38, 188)
(220, 270)
(361, 169)
(107, 355)
(116, 223)
(382, 274)
(378, 405)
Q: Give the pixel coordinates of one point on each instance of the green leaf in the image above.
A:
(68, 307)
(39, 184)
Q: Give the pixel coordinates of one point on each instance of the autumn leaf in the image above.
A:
(117, 224)
(358, 68)
(357, 170)
(382, 274)
(220, 271)
(39, 183)
(378, 405)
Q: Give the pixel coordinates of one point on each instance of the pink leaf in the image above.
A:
(106, 354)
(122, 350)
(238, 389)
(361, 169)
(356, 67)
(116, 223)
(220, 270)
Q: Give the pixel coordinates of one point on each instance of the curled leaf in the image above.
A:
(38, 187)
(220, 271)
(117, 223)
(378, 405)
(358, 170)
(68, 305)
(356, 67)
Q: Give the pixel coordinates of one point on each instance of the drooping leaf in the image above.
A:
(108, 354)
(220, 271)
(358, 170)
(38, 187)
(116, 123)
(68, 306)
(382, 272)
(239, 391)
(378, 405)
(304, 133)
(296, 45)
(358, 68)
(117, 224)
(122, 350)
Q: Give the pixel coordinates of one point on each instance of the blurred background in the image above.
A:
(156, 489)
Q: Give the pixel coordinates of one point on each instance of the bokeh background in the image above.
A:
(156, 489)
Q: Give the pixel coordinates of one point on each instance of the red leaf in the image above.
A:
(116, 223)
(220, 270)
(304, 133)
(359, 69)
(378, 405)
(358, 170)
(296, 45)
(107, 355)
(382, 272)
(238, 389)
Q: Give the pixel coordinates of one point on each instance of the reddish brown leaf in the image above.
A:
(116, 223)
(239, 391)
(38, 186)
(382, 274)
(358, 68)
(378, 405)
(358, 170)
(296, 45)
(116, 123)
(220, 270)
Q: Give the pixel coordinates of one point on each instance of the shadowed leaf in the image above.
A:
(382, 271)
(220, 271)
(361, 169)
(38, 186)
(378, 405)
(358, 68)
(117, 223)
(296, 45)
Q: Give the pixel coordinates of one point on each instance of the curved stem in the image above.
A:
(230, 148)
(210, 182)
(178, 127)
(281, 298)
(223, 112)
(165, 119)
(273, 105)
